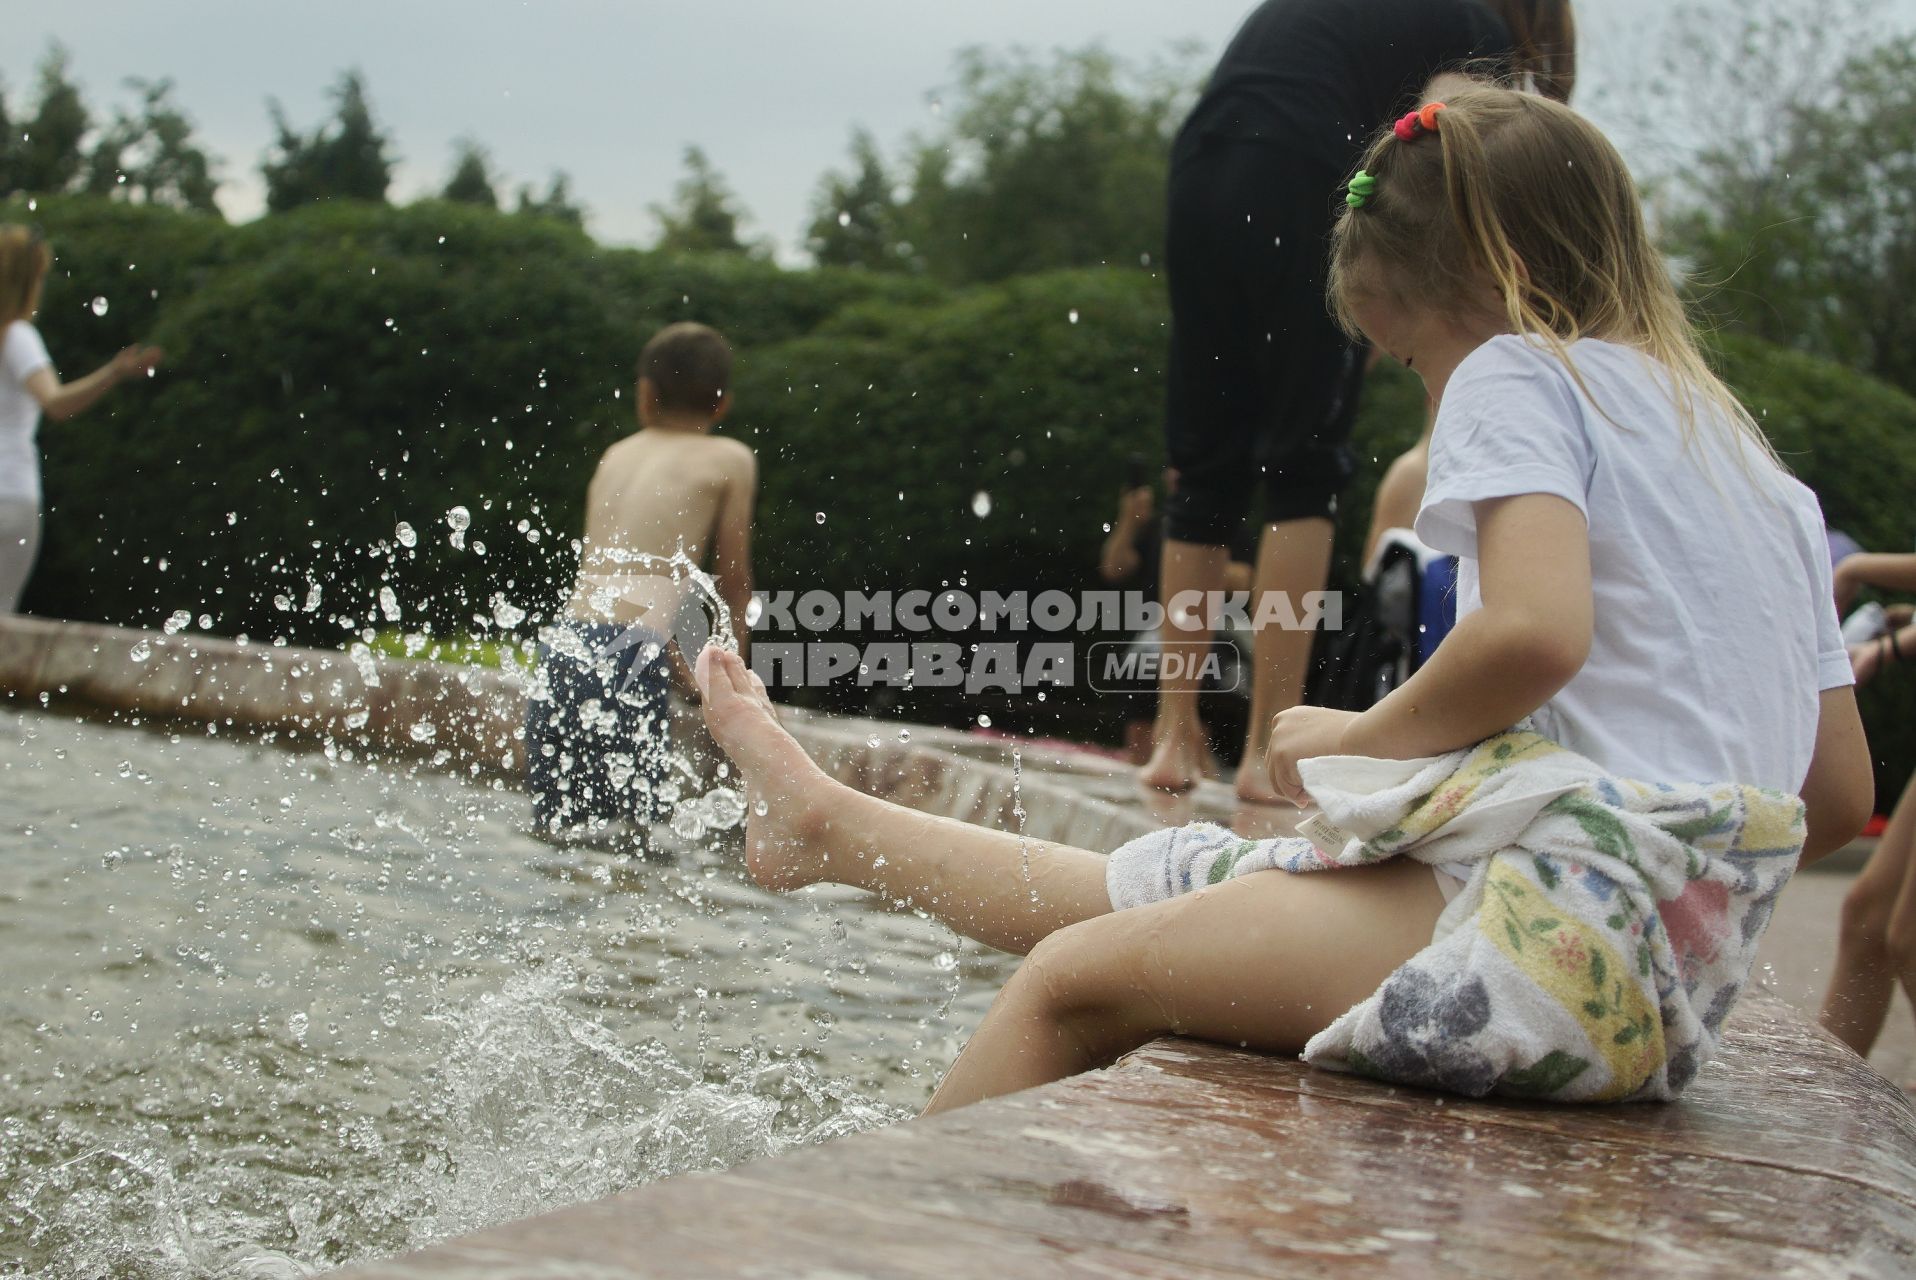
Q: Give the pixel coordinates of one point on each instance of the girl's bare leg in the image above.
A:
(1265, 961)
(1880, 907)
(989, 885)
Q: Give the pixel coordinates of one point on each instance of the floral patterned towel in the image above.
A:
(1604, 930)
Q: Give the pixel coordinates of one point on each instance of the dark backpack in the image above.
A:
(1375, 649)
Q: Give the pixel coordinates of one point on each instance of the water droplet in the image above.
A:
(505, 613)
(178, 621)
(140, 651)
(724, 808)
(904, 735)
(297, 1024)
(98, 306)
(873, 742)
(820, 517)
(688, 822)
(945, 961)
(760, 807)
(459, 519)
(389, 604)
(844, 218)
(423, 731)
(1073, 315)
(981, 504)
(984, 721)
(404, 532)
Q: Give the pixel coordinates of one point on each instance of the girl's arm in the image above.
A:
(1494, 668)
(1507, 659)
(1839, 791)
(61, 400)
(1884, 572)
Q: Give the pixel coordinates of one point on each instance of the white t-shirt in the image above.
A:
(21, 353)
(1715, 623)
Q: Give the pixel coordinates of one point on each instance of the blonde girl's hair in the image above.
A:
(1518, 198)
(24, 259)
(1545, 35)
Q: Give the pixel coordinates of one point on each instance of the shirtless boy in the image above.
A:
(597, 722)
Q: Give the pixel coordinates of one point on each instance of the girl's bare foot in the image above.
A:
(787, 796)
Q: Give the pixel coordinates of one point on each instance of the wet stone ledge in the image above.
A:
(1789, 1156)
(469, 719)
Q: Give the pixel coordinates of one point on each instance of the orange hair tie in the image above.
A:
(1428, 116)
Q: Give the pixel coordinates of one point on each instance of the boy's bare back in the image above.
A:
(657, 491)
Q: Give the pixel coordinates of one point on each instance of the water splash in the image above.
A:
(544, 1107)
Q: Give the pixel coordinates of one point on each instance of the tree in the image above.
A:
(855, 218)
(7, 183)
(345, 159)
(1801, 231)
(556, 203)
(471, 181)
(46, 155)
(1047, 165)
(151, 156)
(703, 216)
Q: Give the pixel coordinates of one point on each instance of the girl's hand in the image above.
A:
(135, 360)
(1303, 733)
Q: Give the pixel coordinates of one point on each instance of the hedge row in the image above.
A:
(336, 372)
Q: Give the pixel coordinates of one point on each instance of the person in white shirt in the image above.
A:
(29, 388)
(1638, 578)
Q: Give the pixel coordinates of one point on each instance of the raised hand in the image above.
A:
(135, 360)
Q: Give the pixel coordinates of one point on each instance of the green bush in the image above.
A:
(333, 372)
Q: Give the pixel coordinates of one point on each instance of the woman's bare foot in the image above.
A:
(1177, 758)
(1253, 784)
(787, 796)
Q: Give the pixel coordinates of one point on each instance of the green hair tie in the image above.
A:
(1360, 189)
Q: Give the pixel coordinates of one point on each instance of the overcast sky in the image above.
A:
(611, 91)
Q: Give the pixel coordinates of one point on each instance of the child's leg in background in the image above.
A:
(1267, 960)
(1877, 945)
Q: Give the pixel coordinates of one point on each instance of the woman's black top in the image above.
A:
(1323, 76)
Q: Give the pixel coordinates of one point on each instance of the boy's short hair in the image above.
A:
(689, 365)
